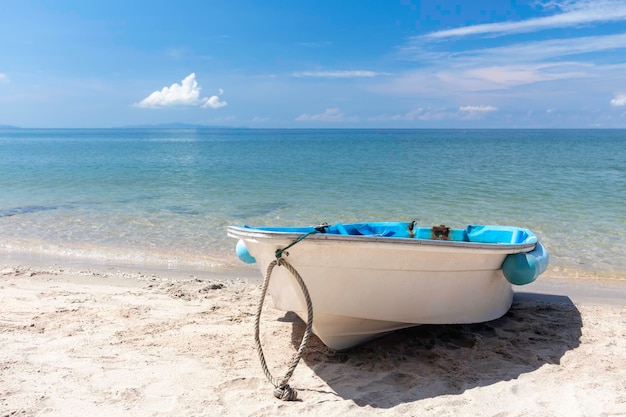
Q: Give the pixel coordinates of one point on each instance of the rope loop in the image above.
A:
(282, 389)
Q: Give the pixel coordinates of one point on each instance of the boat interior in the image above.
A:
(471, 233)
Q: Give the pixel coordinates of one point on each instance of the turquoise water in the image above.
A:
(165, 197)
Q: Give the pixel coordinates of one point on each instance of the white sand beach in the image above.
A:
(110, 343)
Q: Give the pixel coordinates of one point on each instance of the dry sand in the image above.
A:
(85, 343)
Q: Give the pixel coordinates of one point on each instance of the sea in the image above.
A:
(163, 198)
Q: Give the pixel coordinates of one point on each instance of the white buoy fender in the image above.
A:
(243, 254)
(524, 268)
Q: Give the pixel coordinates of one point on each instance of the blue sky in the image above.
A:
(307, 64)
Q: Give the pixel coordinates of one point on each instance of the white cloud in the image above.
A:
(187, 93)
(214, 103)
(458, 79)
(504, 67)
(419, 113)
(338, 74)
(503, 77)
(509, 66)
(522, 63)
(433, 113)
(548, 49)
(475, 112)
(516, 52)
(329, 115)
(619, 100)
(478, 109)
(574, 13)
(3, 77)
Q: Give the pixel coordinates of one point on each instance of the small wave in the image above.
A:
(25, 210)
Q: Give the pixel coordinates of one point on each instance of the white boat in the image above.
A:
(367, 279)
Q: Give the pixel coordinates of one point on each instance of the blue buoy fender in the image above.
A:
(243, 254)
(524, 268)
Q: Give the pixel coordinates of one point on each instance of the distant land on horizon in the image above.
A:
(141, 126)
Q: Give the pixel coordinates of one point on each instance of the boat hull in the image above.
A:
(363, 287)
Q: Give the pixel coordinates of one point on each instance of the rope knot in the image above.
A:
(286, 393)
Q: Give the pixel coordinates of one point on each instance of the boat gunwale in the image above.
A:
(247, 232)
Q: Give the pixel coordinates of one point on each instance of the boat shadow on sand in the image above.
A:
(432, 360)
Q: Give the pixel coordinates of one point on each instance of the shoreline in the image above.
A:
(600, 289)
(226, 264)
(83, 340)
